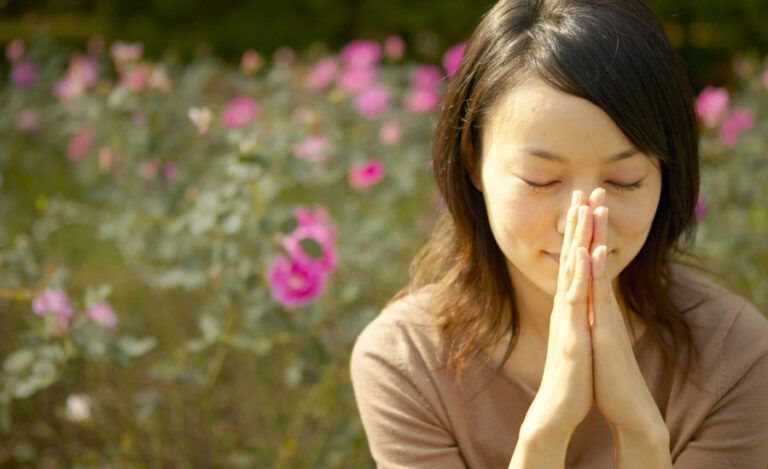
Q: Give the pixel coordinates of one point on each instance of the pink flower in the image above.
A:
(24, 74)
(321, 74)
(372, 101)
(284, 57)
(250, 61)
(80, 143)
(390, 132)
(452, 58)
(311, 149)
(394, 47)
(170, 172)
(355, 79)
(426, 77)
(365, 175)
(314, 225)
(294, 284)
(149, 169)
(28, 120)
(106, 158)
(136, 78)
(712, 105)
(102, 314)
(701, 208)
(738, 121)
(14, 51)
(240, 111)
(361, 53)
(85, 70)
(422, 101)
(126, 52)
(56, 302)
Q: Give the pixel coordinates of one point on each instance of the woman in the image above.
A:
(550, 322)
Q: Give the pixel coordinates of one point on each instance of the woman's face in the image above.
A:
(583, 145)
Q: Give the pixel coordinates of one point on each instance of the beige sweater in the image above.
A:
(414, 416)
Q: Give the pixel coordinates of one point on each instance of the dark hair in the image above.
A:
(613, 53)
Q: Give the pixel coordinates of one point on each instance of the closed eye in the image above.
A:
(619, 187)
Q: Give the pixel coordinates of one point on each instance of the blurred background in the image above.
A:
(203, 203)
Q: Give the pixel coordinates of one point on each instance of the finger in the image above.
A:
(584, 233)
(578, 291)
(570, 228)
(578, 235)
(600, 285)
(600, 236)
(597, 197)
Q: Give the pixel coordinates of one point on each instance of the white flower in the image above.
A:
(201, 117)
(78, 407)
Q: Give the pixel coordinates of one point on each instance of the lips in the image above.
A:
(556, 257)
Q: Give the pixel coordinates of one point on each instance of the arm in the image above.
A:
(540, 446)
(641, 450)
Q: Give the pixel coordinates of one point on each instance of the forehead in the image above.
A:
(533, 113)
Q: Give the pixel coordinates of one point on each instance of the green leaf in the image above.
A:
(289, 226)
(134, 347)
(312, 248)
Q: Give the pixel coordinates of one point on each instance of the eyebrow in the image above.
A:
(544, 154)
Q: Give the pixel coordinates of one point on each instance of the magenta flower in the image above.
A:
(426, 77)
(701, 208)
(24, 74)
(240, 111)
(355, 79)
(56, 302)
(294, 284)
(452, 58)
(422, 101)
(314, 225)
(394, 47)
(712, 105)
(365, 175)
(390, 132)
(102, 314)
(28, 120)
(321, 74)
(361, 53)
(738, 121)
(311, 149)
(80, 143)
(14, 51)
(136, 78)
(372, 101)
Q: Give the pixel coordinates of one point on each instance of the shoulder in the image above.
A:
(730, 333)
(403, 334)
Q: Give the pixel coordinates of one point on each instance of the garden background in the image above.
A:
(203, 203)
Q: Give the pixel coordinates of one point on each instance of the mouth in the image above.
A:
(556, 257)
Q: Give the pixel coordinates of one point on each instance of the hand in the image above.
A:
(621, 393)
(565, 395)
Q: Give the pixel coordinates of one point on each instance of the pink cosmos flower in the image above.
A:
(365, 175)
(394, 47)
(294, 284)
(250, 61)
(14, 51)
(426, 77)
(136, 78)
(712, 105)
(738, 121)
(311, 149)
(56, 302)
(123, 52)
(701, 208)
(170, 172)
(452, 58)
(80, 143)
(312, 224)
(361, 53)
(28, 120)
(422, 101)
(390, 132)
(102, 314)
(372, 101)
(24, 74)
(321, 74)
(83, 73)
(355, 79)
(240, 111)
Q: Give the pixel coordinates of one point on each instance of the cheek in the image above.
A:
(513, 215)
